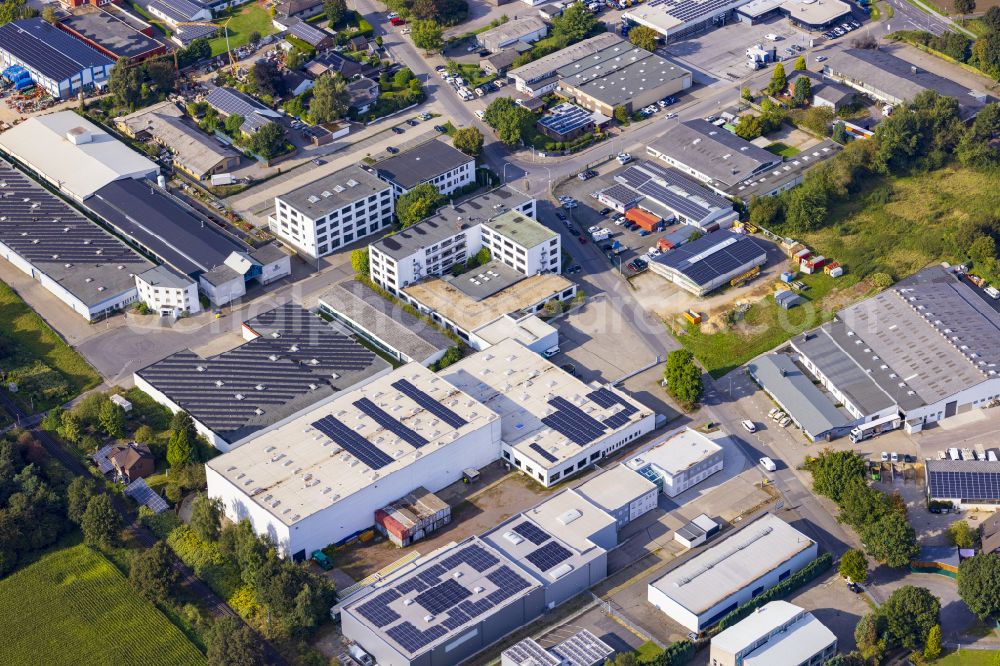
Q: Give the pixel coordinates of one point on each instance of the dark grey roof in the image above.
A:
(713, 151)
(267, 254)
(421, 164)
(228, 101)
(291, 7)
(388, 322)
(334, 62)
(75, 252)
(178, 10)
(449, 221)
(111, 33)
(189, 33)
(820, 86)
(48, 49)
(675, 190)
(501, 59)
(623, 195)
(488, 279)
(333, 192)
(142, 211)
(308, 33)
(791, 170)
(619, 73)
(714, 254)
(795, 392)
(297, 361)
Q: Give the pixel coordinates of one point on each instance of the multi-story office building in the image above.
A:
(435, 162)
(168, 293)
(334, 211)
(777, 633)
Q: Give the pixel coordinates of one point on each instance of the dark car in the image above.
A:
(641, 263)
(606, 247)
(412, 123)
(561, 216)
(398, 130)
(483, 53)
(583, 241)
(575, 268)
(605, 211)
(855, 588)
(440, 128)
(391, 150)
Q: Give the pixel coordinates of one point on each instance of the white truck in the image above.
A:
(600, 235)
(992, 292)
(868, 430)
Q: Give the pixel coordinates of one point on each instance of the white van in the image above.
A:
(768, 464)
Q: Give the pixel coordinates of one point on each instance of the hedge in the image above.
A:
(804, 575)
(676, 654)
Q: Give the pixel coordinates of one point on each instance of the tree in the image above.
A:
(850, 659)
(179, 448)
(683, 377)
(268, 140)
(932, 647)
(426, 35)
(294, 59)
(778, 80)
(206, 516)
(868, 634)
(982, 250)
(335, 11)
(267, 78)
(78, 494)
(766, 212)
(49, 14)
(961, 535)
(509, 120)
(254, 38)
(330, 99)
(101, 524)
(834, 470)
(861, 504)
(880, 280)
(574, 23)
(749, 127)
(197, 50)
(417, 204)
(644, 37)
(233, 124)
(909, 614)
(621, 115)
(232, 643)
(746, 94)
(991, 19)
(161, 73)
(965, 6)
(152, 573)
(125, 83)
(469, 140)
(800, 64)
(890, 540)
(360, 261)
(839, 133)
(803, 91)
(979, 584)
(854, 566)
(112, 420)
(69, 427)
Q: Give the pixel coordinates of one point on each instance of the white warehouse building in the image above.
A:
(704, 589)
(622, 492)
(318, 478)
(679, 460)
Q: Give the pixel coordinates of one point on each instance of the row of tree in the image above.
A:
(982, 53)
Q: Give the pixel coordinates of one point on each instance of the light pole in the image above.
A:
(549, 172)
(504, 172)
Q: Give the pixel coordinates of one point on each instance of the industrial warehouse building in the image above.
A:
(73, 154)
(679, 460)
(669, 195)
(808, 14)
(336, 210)
(677, 19)
(715, 259)
(776, 633)
(80, 263)
(705, 588)
(435, 162)
(540, 76)
(319, 477)
(924, 350)
(552, 424)
(59, 63)
(622, 492)
(382, 323)
(444, 608)
(113, 33)
(581, 649)
(292, 360)
(454, 234)
(525, 30)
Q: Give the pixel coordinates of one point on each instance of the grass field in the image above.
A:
(969, 658)
(74, 607)
(783, 149)
(46, 367)
(249, 19)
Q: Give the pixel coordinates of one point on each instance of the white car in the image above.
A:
(749, 426)
(624, 158)
(480, 114)
(768, 464)
(404, 31)
(820, 58)
(392, 15)
(771, 37)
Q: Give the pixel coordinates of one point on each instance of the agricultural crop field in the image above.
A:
(74, 607)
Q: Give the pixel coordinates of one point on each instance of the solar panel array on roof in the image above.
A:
(543, 453)
(713, 255)
(307, 33)
(979, 483)
(688, 10)
(377, 610)
(430, 404)
(228, 102)
(352, 442)
(608, 399)
(566, 118)
(673, 189)
(101, 458)
(532, 532)
(572, 422)
(375, 412)
(140, 491)
(49, 50)
(548, 556)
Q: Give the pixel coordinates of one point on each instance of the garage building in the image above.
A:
(970, 485)
(705, 264)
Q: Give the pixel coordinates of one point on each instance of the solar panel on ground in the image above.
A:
(532, 533)
(543, 453)
(441, 597)
(429, 403)
(548, 556)
(352, 442)
(392, 425)
(143, 494)
(377, 610)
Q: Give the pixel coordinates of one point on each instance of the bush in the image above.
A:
(806, 574)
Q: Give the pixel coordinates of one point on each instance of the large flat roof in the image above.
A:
(76, 253)
(715, 254)
(152, 218)
(775, 177)
(48, 49)
(455, 303)
(422, 163)
(670, 15)
(671, 188)
(676, 452)
(191, 147)
(755, 626)
(619, 73)
(795, 645)
(532, 394)
(933, 330)
(733, 563)
(449, 221)
(615, 487)
(794, 390)
(456, 587)
(513, 29)
(526, 330)
(111, 33)
(722, 156)
(333, 192)
(79, 169)
(297, 361)
(404, 332)
(521, 229)
(967, 480)
(547, 65)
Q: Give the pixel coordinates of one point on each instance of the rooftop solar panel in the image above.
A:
(429, 403)
(441, 597)
(712, 255)
(377, 610)
(352, 442)
(508, 584)
(572, 422)
(389, 423)
(49, 50)
(475, 556)
(548, 556)
(966, 486)
(543, 453)
(532, 533)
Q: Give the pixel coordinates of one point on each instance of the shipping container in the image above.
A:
(412, 517)
(644, 219)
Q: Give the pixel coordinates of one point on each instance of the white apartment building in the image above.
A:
(332, 212)
(167, 293)
(455, 233)
(435, 162)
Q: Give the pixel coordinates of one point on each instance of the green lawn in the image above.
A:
(46, 369)
(969, 658)
(782, 149)
(249, 19)
(74, 607)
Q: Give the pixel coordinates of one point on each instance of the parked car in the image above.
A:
(885, 456)
(395, 20)
(583, 175)
(582, 239)
(391, 150)
(768, 464)
(855, 588)
(624, 158)
(820, 58)
(785, 422)
(480, 114)
(440, 128)
(398, 130)
(749, 426)
(561, 215)
(425, 116)
(894, 457)
(604, 211)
